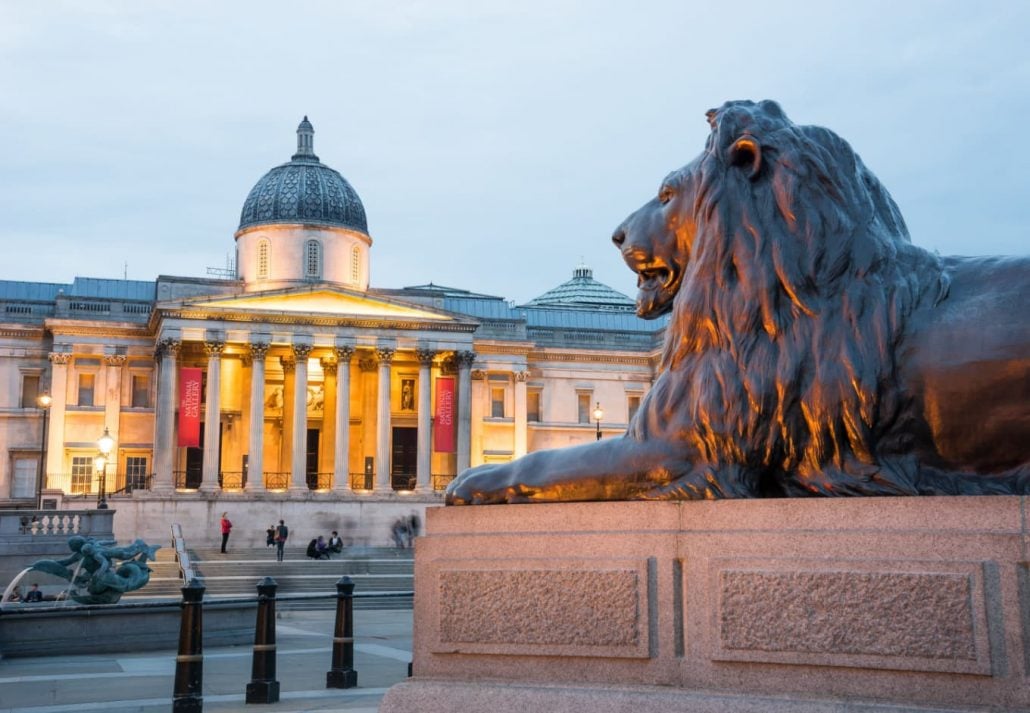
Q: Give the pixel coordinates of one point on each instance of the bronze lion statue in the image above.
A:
(812, 349)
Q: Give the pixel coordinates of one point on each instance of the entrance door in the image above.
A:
(194, 465)
(405, 458)
(311, 467)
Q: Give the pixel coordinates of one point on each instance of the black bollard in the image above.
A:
(263, 688)
(188, 695)
(342, 674)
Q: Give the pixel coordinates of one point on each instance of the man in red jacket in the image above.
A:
(226, 529)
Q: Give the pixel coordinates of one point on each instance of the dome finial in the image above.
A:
(305, 141)
(582, 270)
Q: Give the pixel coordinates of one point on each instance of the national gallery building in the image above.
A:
(292, 388)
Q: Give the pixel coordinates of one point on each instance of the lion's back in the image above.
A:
(967, 365)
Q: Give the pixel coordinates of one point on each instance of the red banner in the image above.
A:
(189, 406)
(443, 422)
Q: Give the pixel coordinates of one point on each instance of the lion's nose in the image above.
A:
(619, 237)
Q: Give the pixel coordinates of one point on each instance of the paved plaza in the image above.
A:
(122, 683)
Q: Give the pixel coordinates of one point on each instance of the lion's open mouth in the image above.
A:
(657, 284)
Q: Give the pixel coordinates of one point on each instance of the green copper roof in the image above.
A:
(584, 291)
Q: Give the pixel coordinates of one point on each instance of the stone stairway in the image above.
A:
(372, 569)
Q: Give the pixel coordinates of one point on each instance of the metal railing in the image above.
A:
(182, 555)
(362, 481)
(232, 480)
(440, 481)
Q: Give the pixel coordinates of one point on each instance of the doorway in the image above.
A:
(405, 458)
(311, 464)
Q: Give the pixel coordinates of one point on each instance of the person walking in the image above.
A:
(226, 529)
(281, 534)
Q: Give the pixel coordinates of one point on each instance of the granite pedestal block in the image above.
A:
(814, 605)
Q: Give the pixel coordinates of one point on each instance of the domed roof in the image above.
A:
(304, 191)
(584, 291)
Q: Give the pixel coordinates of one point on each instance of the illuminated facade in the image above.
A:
(315, 386)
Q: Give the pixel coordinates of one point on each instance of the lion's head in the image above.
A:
(790, 273)
(656, 241)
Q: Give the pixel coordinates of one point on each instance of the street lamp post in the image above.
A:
(598, 415)
(43, 401)
(105, 443)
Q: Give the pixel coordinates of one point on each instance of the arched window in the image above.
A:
(262, 260)
(355, 264)
(313, 259)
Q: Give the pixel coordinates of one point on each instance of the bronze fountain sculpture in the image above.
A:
(812, 349)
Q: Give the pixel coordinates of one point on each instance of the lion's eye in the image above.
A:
(665, 194)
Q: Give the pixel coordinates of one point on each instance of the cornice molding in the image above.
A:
(361, 323)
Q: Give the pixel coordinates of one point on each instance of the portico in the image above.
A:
(314, 419)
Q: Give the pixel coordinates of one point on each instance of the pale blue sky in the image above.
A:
(493, 144)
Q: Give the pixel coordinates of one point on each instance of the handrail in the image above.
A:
(182, 556)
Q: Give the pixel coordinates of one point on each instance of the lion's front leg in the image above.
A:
(612, 469)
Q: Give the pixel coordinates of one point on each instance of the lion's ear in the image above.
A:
(746, 153)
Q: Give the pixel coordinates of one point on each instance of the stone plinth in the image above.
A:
(722, 606)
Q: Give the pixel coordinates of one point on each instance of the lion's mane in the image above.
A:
(800, 281)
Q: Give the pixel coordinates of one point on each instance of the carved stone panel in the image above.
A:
(907, 616)
(578, 611)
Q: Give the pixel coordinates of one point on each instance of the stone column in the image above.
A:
(289, 365)
(479, 405)
(256, 438)
(341, 451)
(464, 360)
(55, 436)
(521, 425)
(383, 357)
(327, 445)
(368, 410)
(212, 416)
(424, 478)
(112, 412)
(299, 461)
(164, 418)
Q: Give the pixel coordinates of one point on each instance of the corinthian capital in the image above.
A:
(214, 349)
(301, 351)
(384, 355)
(59, 357)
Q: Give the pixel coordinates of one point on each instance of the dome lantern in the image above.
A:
(305, 141)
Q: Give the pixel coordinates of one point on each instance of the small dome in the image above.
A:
(585, 292)
(304, 191)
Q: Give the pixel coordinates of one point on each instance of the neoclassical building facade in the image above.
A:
(293, 380)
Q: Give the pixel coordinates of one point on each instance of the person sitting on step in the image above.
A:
(313, 551)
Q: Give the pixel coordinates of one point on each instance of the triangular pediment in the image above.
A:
(325, 301)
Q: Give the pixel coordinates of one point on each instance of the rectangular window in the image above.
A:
(86, 384)
(632, 406)
(533, 406)
(497, 403)
(140, 391)
(29, 390)
(82, 474)
(583, 403)
(136, 472)
(26, 470)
